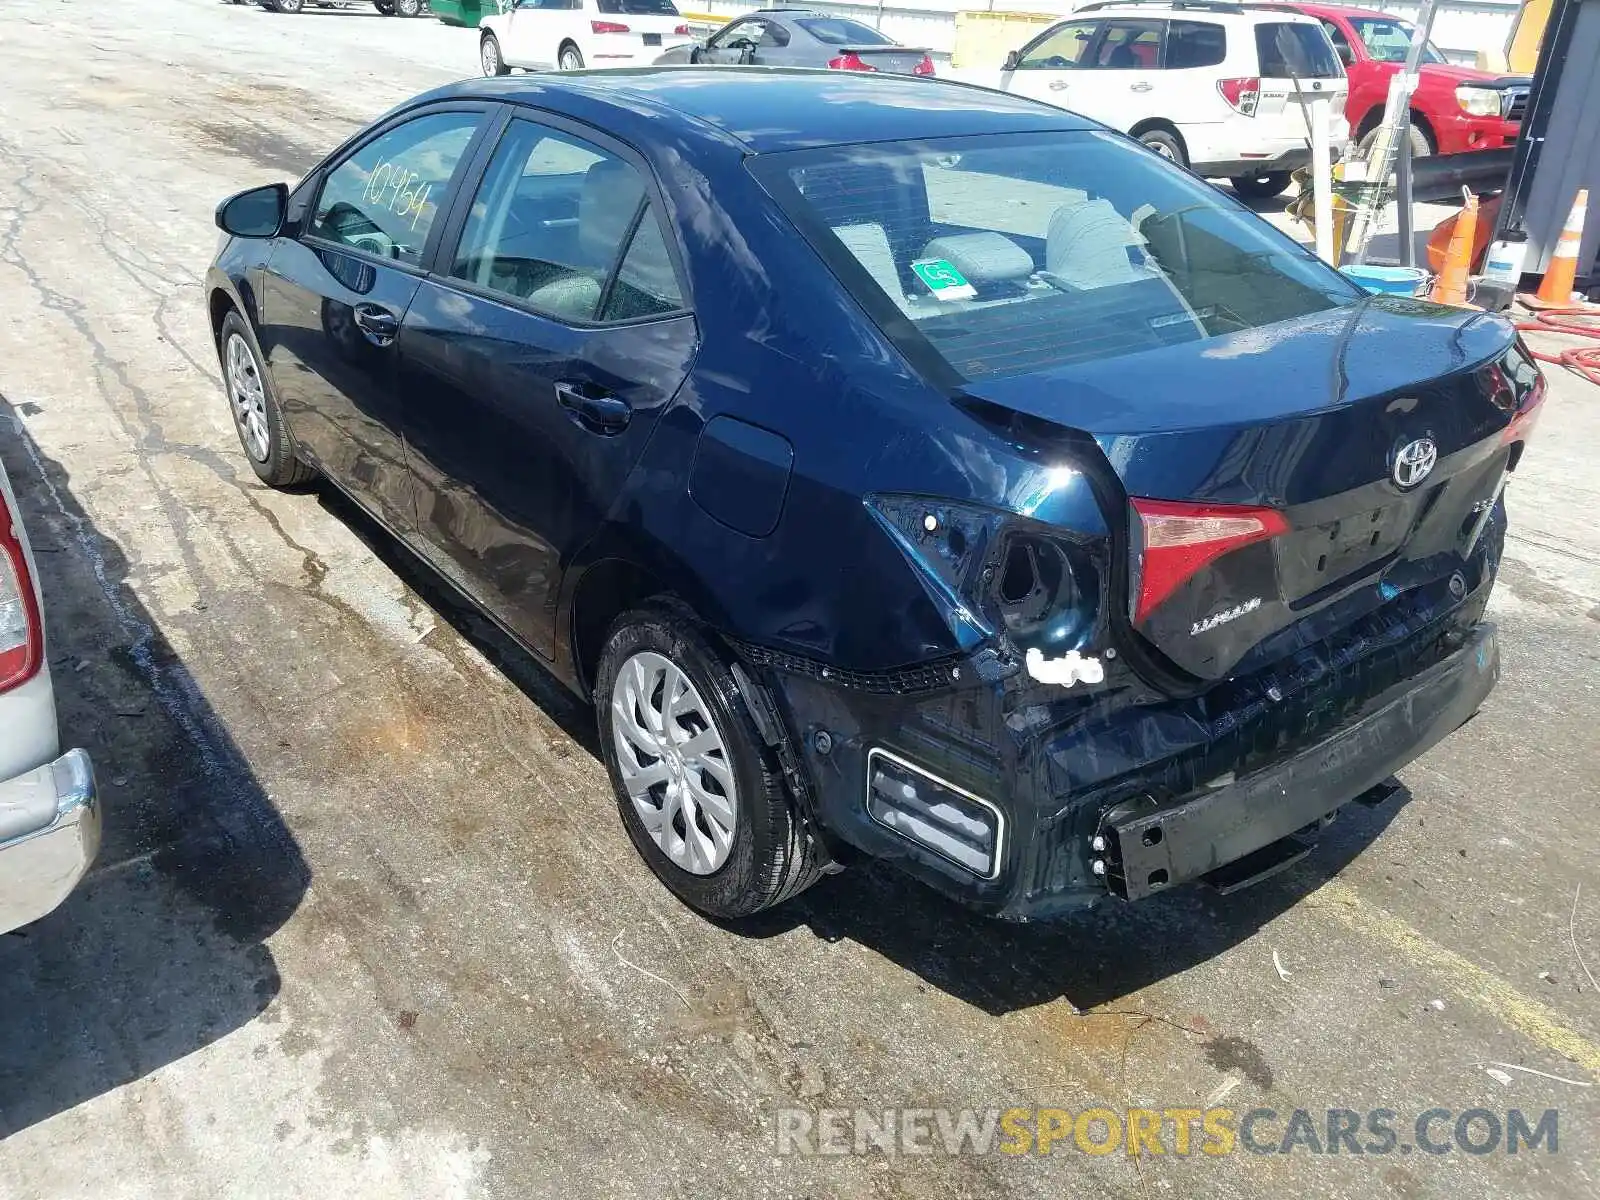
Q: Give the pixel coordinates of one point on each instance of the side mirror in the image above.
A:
(256, 213)
(1012, 59)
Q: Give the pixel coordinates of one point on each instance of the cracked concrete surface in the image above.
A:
(364, 915)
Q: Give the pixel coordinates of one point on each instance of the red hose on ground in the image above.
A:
(1573, 320)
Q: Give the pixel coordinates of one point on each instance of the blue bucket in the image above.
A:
(1387, 281)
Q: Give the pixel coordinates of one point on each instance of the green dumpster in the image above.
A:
(465, 12)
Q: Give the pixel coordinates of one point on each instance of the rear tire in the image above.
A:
(257, 418)
(570, 58)
(285, 6)
(489, 56)
(1261, 187)
(671, 799)
(386, 7)
(1166, 145)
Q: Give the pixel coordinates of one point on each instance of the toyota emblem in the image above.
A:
(1414, 461)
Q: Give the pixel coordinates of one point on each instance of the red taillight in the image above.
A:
(1180, 539)
(1528, 415)
(925, 67)
(681, 30)
(21, 632)
(607, 27)
(1242, 95)
(849, 61)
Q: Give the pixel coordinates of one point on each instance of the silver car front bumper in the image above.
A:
(49, 834)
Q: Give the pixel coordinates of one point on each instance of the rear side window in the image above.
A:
(1009, 254)
(1296, 51)
(838, 31)
(548, 224)
(1195, 44)
(384, 198)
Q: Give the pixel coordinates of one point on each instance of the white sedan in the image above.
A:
(49, 812)
(569, 35)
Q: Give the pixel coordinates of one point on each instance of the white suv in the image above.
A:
(1223, 89)
(573, 34)
(49, 814)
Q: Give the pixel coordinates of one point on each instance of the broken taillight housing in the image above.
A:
(994, 572)
(21, 633)
(1181, 538)
(1242, 95)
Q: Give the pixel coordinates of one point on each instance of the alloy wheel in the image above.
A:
(248, 396)
(674, 763)
(489, 54)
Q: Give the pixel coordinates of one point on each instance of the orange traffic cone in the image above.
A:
(1451, 286)
(1556, 287)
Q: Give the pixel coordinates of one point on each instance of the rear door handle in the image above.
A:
(379, 324)
(597, 412)
(1139, 87)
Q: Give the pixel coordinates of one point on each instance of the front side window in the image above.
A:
(549, 223)
(841, 31)
(1063, 47)
(1341, 44)
(1296, 50)
(740, 31)
(1389, 40)
(1129, 47)
(384, 198)
(1195, 44)
(1015, 253)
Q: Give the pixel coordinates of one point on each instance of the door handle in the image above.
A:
(379, 324)
(1058, 85)
(603, 413)
(1139, 87)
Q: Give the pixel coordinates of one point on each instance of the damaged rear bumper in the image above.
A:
(1080, 796)
(1151, 847)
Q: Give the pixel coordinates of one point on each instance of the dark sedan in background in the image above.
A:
(901, 467)
(802, 37)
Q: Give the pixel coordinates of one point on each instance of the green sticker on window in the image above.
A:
(943, 280)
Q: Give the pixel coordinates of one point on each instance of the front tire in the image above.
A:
(700, 793)
(1166, 145)
(257, 418)
(494, 62)
(285, 6)
(1261, 187)
(570, 58)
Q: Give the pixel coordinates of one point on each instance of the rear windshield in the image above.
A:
(837, 31)
(1296, 51)
(640, 8)
(1007, 254)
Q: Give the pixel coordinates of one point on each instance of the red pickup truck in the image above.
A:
(1454, 109)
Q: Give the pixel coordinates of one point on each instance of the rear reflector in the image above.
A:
(1242, 95)
(607, 27)
(21, 633)
(922, 808)
(1180, 539)
(849, 61)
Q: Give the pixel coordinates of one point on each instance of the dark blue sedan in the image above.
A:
(904, 469)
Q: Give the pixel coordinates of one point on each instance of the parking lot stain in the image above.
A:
(1236, 1054)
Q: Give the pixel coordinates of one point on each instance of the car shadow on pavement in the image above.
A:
(161, 949)
(1094, 958)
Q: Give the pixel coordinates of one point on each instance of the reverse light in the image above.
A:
(925, 67)
(1242, 95)
(607, 27)
(21, 631)
(850, 61)
(1478, 102)
(1180, 539)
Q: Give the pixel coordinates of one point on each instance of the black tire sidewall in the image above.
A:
(1179, 158)
(743, 884)
(561, 58)
(1263, 186)
(282, 467)
(489, 39)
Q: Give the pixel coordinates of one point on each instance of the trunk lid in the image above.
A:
(1324, 424)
